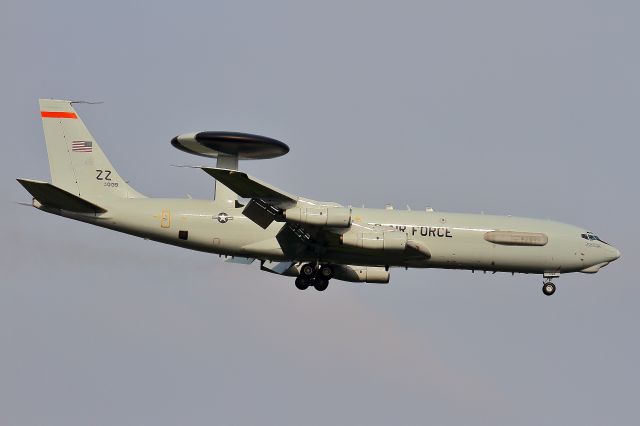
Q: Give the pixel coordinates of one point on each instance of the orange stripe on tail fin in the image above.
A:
(58, 114)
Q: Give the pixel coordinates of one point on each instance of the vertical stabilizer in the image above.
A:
(77, 163)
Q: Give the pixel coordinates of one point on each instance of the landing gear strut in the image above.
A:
(318, 277)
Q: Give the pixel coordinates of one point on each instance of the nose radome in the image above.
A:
(615, 254)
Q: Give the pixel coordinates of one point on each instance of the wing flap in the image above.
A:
(261, 214)
(280, 268)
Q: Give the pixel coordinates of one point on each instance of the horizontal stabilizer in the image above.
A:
(51, 196)
(249, 187)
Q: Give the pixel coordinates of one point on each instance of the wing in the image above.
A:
(312, 223)
(249, 187)
(269, 203)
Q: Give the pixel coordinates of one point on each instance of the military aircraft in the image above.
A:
(313, 241)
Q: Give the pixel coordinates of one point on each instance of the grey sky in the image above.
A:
(524, 108)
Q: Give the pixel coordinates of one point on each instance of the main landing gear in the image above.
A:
(316, 276)
(548, 288)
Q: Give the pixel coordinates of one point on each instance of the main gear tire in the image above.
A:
(307, 270)
(302, 283)
(321, 284)
(326, 272)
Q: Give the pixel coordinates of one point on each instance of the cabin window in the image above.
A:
(183, 235)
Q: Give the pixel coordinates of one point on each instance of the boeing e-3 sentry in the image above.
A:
(313, 241)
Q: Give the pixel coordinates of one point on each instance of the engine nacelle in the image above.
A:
(361, 274)
(388, 241)
(335, 217)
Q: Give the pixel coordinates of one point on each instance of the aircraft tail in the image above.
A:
(77, 163)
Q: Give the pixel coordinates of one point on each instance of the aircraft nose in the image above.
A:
(615, 254)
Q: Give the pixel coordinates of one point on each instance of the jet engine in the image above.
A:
(381, 240)
(335, 217)
(361, 274)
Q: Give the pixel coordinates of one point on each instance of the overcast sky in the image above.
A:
(523, 108)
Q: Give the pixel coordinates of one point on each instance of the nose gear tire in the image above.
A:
(549, 288)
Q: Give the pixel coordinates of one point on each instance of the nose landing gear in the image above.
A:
(548, 288)
(318, 277)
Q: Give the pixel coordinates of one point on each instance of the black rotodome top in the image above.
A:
(246, 146)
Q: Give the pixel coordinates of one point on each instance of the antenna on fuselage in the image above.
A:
(87, 102)
(228, 148)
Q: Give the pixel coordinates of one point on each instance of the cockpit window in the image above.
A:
(591, 236)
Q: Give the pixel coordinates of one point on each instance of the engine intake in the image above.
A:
(336, 217)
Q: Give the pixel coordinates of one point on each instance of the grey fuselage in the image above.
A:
(454, 240)
(296, 233)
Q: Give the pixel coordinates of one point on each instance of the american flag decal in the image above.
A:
(81, 146)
